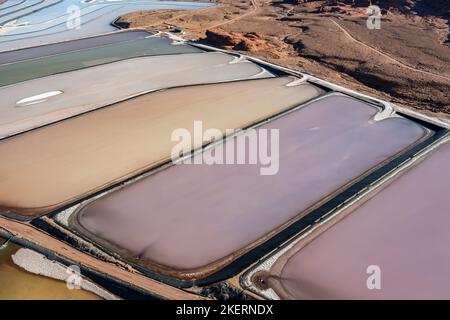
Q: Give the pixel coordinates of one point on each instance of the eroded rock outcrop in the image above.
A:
(251, 42)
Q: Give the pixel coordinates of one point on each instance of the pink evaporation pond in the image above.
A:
(403, 230)
(189, 216)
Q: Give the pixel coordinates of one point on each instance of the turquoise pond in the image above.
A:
(35, 22)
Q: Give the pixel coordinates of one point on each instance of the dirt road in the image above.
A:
(388, 57)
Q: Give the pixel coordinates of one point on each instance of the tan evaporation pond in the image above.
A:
(396, 241)
(18, 284)
(34, 103)
(48, 168)
(189, 220)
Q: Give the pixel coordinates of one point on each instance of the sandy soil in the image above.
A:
(407, 61)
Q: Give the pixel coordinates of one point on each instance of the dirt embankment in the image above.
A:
(407, 61)
(250, 41)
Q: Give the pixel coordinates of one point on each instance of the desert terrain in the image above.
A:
(406, 61)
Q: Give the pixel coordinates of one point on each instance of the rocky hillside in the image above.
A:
(437, 8)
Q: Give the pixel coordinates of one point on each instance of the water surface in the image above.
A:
(49, 24)
(18, 284)
(403, 230)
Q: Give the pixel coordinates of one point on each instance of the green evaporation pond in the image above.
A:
(41, 67)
